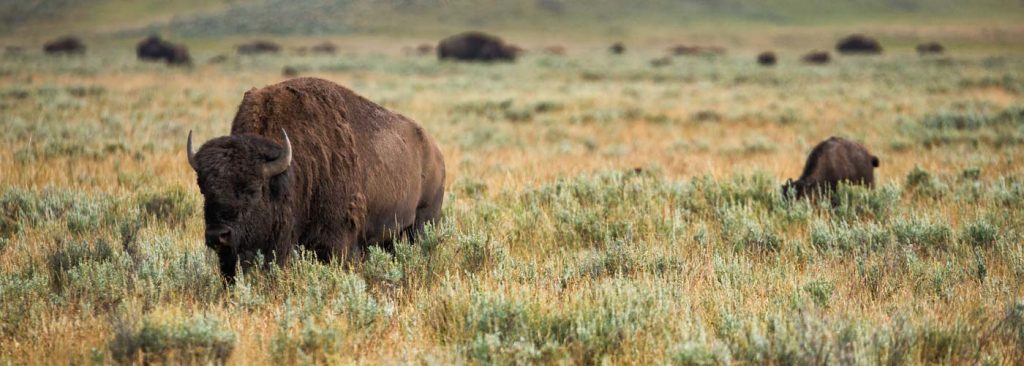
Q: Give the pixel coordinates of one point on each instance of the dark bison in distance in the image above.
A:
(67, 45)
(816, 58)
(617, 48)
(858, 44)
(766, 58)
(832, 161)
(258, 47)
(930, 48)
(475, 46)
(155, 49)
(310, 163)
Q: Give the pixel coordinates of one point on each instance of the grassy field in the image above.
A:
(598, 209)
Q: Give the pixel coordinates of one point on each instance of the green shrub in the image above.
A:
(980, 233)
(200, 339)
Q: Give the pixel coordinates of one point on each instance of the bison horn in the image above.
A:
(191, 153)
(279, 165)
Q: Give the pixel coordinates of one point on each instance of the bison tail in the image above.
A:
(874, 161)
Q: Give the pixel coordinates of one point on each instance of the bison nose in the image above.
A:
(219, 236)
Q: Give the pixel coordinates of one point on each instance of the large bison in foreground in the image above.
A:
(153, 48)
(832, 161)
(310, 163)
(476, 46)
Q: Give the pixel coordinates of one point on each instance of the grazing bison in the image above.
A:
(258, 47)
(858, 44)
(684, 50)
(766, 58)
(617, 48)
(816, 58)
(930, 48)
(310, 163)
(324, 48)
(476, 46)
(832, 161)
(67, 45)
(155, 49)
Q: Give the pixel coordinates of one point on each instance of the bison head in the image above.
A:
(244, 181)
(794, 189)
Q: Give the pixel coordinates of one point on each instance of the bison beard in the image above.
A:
(833, 161)
(310, 163)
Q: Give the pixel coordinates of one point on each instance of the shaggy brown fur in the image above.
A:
(832, 161)
(359, 175)
(766, 58)
(476, 46)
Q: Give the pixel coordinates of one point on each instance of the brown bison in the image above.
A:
(258, 47)
(832, 161)
(930, 48)
(324, 48)
(310, 163)
(816, 58)
(766, 58)
(706, 51)
(617, 48)
(67, 45)
(858, 44)
(155, 49)
(476, 46)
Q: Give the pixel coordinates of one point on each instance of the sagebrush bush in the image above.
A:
(200, 339)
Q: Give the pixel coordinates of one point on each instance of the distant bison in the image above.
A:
(684, 50)
(67, 45)
(858, 44)
(476, 46)
(312, 164)
(816, 58)
(766, 58)
(155, 49)
(930, 48)
(832, 161)
(258, 47)
(325, 48)
(617, 48)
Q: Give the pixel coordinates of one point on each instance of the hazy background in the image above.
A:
(781, 23)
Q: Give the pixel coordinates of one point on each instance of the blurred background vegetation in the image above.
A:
(217, 18)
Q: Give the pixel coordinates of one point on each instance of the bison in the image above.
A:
(766, 58)
(832, 161)
(858, 44)
(617, 48)
(816, 58)
(476, 46)
(324, 48)
(258, 47)
(706, 51)
(312, 164)
(155, 49)
(67, 45)
(930, 48)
